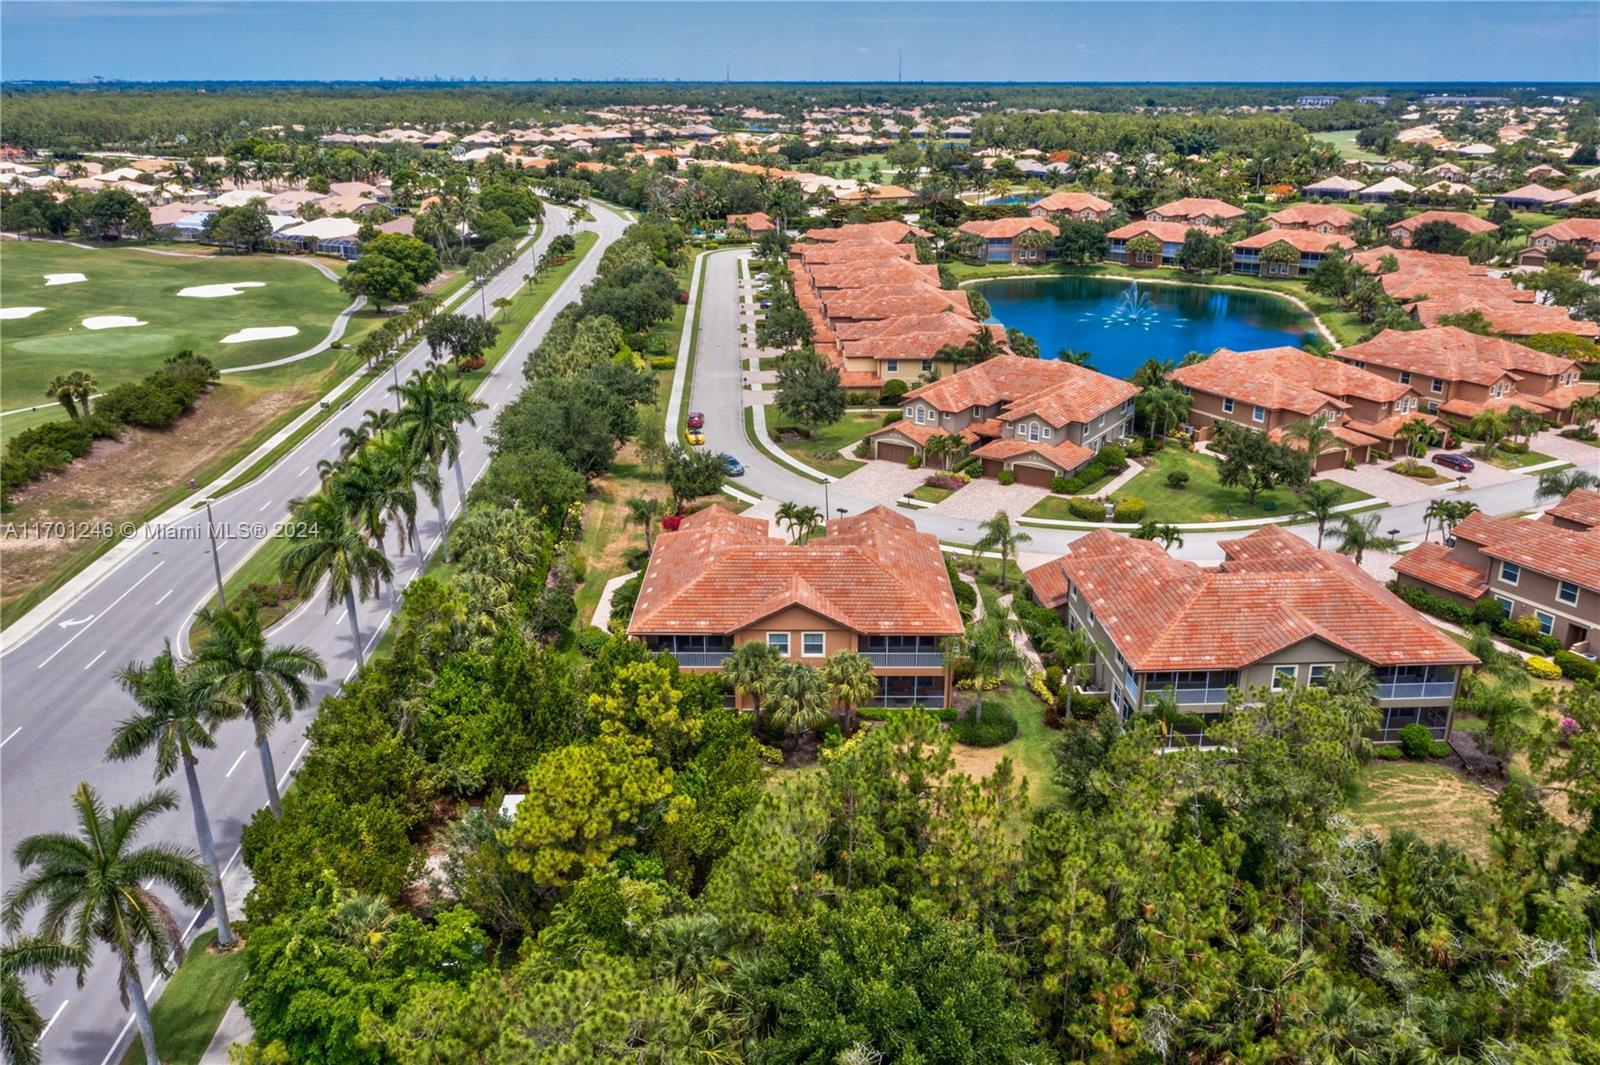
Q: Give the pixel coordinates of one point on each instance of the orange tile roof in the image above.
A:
(1070, 203)
(1278, 379)
(890, 301)
(1536, 193)
(1306, 240)
(1578, 230)
(875, 192)
(720, 573)
(950, 330)
(1275, 590)
(858, 275)
(1581, 506)
(1008, 228)
(1002, 379)
(865, 252)
(1566, 554)
(1453, 285)
(1196, 206)
(1079, 395)
(1433, 564)
(1471, 223)
(1065, 456)
(1453, 354)
(1313, 214)
(892, 231)
(904, 325)
(754, 222)
(1165, 232)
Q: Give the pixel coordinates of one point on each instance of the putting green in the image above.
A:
(145, 286)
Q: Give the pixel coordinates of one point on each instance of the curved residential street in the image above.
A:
(61, 701)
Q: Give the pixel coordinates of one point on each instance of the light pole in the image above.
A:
(216, 561)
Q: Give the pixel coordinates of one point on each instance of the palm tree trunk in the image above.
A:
(444, 532)
(384, 554)
(268, 772)
(461, 484)
(141, 1010)
(355, 624)
(208, 852)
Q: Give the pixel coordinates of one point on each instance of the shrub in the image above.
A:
(946, 481)
(1389, 754)
(1089, 707)
(893, 389)
(1086, 509)
(914, 462)
(1513, 447)
(1178, 479)
(1543, 668)
(1440, 749)
(1008, 477)
(972, 465)
(1488, 611)
(860, 399)
(1437, 605)
(591, 640)
(863, 449)
(996, 729)
(893, 416)
(1576, 667)
(1061, 486)
(1130, 510)
(664, 362)
(1416, 741)
(1114, 458)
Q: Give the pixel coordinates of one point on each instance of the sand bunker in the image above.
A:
(210, 292)
(8, 313)
(260, 332)
(63, 279)
(112, 321)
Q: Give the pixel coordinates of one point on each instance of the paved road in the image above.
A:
(717, 392)
(60, 702)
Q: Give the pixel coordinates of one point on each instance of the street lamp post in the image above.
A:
(216, 560)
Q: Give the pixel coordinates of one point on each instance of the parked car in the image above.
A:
(696, 437)
(766, 304)
(696, 420)
(735, 467)
(1451, 461)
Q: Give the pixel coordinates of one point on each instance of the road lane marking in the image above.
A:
(46, 1029)
(236, 852)
(303, 472)
(236, 762)
(12, 734)
(93, 660)
(163, 598)
(293, 762)
(264, 506)
(102, 614)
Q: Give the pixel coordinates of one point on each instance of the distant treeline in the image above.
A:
(198, 114)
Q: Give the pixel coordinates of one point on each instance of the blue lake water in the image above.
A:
(1162, 322)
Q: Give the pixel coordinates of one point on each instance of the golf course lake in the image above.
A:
(1123, 323)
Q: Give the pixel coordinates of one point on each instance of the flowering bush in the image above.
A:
(1543, 668)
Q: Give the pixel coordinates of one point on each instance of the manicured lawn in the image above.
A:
(1032, 752)
(191, 1005)
(1427, 798)
(1205, 498)
(829, 449)
(1508, 460)
(1345, 141)
(143, 285)
(929, 494)
(1432, 478)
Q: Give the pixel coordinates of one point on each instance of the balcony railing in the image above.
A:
(1428, 690)
(905, 659)
(932, 702)
(701, 659)
(1193, 696)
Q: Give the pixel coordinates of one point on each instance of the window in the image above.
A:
(813, 645)
(927, 365)
(779, 641)
(1505, 604)
(1433, 407)
(1435, 385)
(1547, 622)
(1283, 676)
(1047, 432)
(1033, 431)
(917, 414)
(1567, 592)
(1510, 573)
(1227, 405)
(1319, 675)
(1358, 364)
(1259, 414)
(893, 366)
(1405, 377)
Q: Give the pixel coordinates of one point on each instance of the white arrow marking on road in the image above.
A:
(89, 621)
(79, 621)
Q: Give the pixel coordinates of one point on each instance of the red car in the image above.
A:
(696, 420)
(1452, 461)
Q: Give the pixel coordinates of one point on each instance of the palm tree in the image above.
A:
(943, 447)
(375, 491)
(1077, 358)
(851, 682)
(1002, 536)
(1415, 434)
(327, 545)
(799, 699)
(1166, 535)
(21, 1024)
(1491, 426)
(1164, 708)
(1522, 422)
(1360, 535)
(432, 409)
(1164, 405)
(1074, 651)
(266, 684)
(808, 520)
(643, 511)
(1585, 409)
(1355, 689)
(177, 718)
(751, 669)
(1153, 373)
(1558, 484)
(987, 645)
(1315, 435)
(73, 391)
(1319, 498)
(1504, 667)
(98, 886)
(786, 516)
(1438, 510)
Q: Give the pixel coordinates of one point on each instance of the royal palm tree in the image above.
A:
(96, 885)
(374, 490)
(264, 684)
(1318, 499)
(21, 1023)
(1558, 484)
(1314, 434)
(851, 682)
(431, 412)
(999, 534)
(177, 717)
(799, 699)
(988, 646)
(327, 545)
(750, 669)
(1357, 536)
(644, 511)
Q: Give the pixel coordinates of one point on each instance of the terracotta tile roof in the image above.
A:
(1535, 193)
(1279, 379)
(917, 434)
(1306, 240)
(1008, 228)
(1453, 354)
(944, 322)
(845, 306)
(1389, 428)
(1562, 553)
(1002, 379)
(1065, 456)
(1471, 223)
(854, 251)
(875, 192)
(920, 344)
(1433, 564)
(1274, 591)
(1194, 207)
(1581, 506)
(1453, 285)
(1080, 396)
(754, 222)
(1070, 203)
(1313, 214)
(719, 573)
(1165, 232)
(859, 275)
(1579, 230)
(892, 231)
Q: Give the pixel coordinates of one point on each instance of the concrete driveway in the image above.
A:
(882, 481)
(1376, 479)
(985, 496)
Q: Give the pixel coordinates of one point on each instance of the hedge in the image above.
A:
(1129, 511)
(995, 730)
(1576, 667)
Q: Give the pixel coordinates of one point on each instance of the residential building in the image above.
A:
(1168, 234)
(1037, 418)
(874, 585)
(1196, 211)
(1271, 389)
(1462, 374)
(1429, 285)
(1385, 190)
(1584, 232)
(1080, 206)
(1274, 613)
(1000, 239)
(1315, 217)
(753, 224)
(1548, 570)
(1333, 188)
(1471, 223)
(1284, 252)
(1533, 197)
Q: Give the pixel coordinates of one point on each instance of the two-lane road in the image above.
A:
(57, 692)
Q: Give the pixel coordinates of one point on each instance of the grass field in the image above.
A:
(1429, 799)
(191, 1006)
(828, 450)
(1345, 141)
(144, 285)
(1205, 498)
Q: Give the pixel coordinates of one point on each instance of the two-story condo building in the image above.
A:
(1275, 612)
(1078, 206)
(1429, 285)
(1169, 235)
(1273, 388)
(1316, 217)
(1462, 374)
(1285, 252)
(1468, 223)
(1195, 211)
(1584, 232)
(874, 584)
(1038, 418)
(1000, 235)
(1547, 569)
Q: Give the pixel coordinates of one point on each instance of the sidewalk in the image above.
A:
(235, 1028)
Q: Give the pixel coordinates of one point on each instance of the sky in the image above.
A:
(755, 40)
